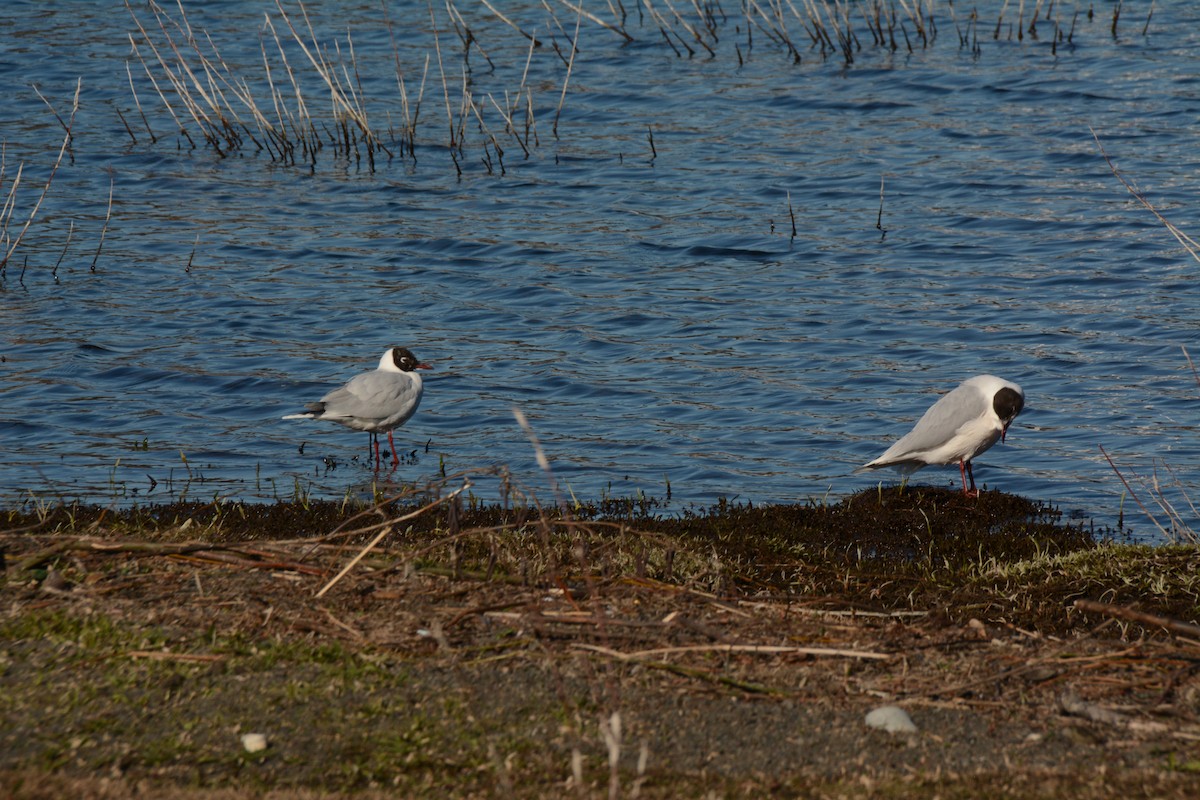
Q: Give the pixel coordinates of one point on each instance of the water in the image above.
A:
(633, 285)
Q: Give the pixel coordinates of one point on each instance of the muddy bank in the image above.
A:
(511, 652)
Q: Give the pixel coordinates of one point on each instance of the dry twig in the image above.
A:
(1188, 242)
(1133, 615)
(752, 649)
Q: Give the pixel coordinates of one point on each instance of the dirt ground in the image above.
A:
(616, 651)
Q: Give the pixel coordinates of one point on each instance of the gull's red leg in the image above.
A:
(392, 444)
(965, 468)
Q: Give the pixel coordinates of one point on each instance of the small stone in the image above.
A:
(892, 719)
(55, 583)
(254, 742)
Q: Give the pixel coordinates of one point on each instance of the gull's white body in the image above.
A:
(376, 402)
(961, 425)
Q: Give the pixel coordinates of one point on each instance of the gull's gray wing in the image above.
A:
(375, 398)
(938, 425)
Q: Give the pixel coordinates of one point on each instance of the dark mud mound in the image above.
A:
(898, 524)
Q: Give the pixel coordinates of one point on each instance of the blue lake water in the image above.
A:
(633, 283)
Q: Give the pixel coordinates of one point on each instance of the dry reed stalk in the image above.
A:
(554, 24)
(667, 30)
(542, 460)
(467, 35)
(509, 127)
(1000, 21)
(483, 128)
(192, 255)
(63, 254)
(416, 115)
(104, 229)
(778, 24)
(125, 122)
(784, 35)
(581, 11)
(922, 22)
(566, 80)
(358, 95)
(11, 198)
(708, 18)
(186, 658)
(511, 24)
(1192, 535)
(690, 29)
(223, 109)
(8, 243)
(879, 218)
(411, 115)
(158, 89)
(466, 104)
(437, 46)
(275, 134)
(815, 25)
(530, 122)
(511, 105)
(234, 127)
(66, 128)
(751, 649)
(524, 77)
(1188, 242)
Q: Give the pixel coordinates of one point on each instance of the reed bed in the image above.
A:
(307, 93)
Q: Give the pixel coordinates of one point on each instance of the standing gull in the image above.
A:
(374, 402)
(958, 427)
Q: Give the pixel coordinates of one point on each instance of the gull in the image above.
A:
(960, 426)
(375, 402)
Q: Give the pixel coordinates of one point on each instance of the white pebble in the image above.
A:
(254, 742)
(892, 719)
